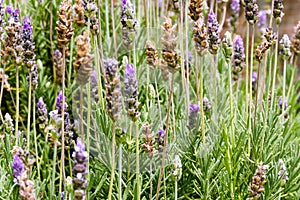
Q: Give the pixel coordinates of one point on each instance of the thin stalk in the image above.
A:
(70, 63)
(54, 170)
(113, 150)
(247, 85)
(187, 56)
(176, 190)
(2, 87)
(151, 176)
(137, 151)
(81, 112)
(165, 139)
(284, 86)
(99, 82)
(88, 129)
(120, 172)
(274, 70)
(35, 139)
(292, 79)
(112, 11)
(108, 39)
(158, 101)
(18, 105)
(257, 96)
(29, 113)
(201, 98)
(62, 175)
(231, 105)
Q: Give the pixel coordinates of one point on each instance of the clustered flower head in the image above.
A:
(200, 37)
(129, 23)
(131, 93)
(193, 115)
(160, 140)
(282, 171)
(285, 46)
(213, 33)
(196, 8)
(113, 88)
(79, 17)
(256, 188)
(296, 40)
(277, 11)
(176, 168)
(8, 125)
(2, 20)
(262, 21)
(235, 13)
(251, 11)
(151, 53)
(254, 81)
(64, 27)
(58, 64)
(169, 43)
(94, 86)
(80, 158)
(238, 61)
(21, 165)
(42, 114)
(148, 144)
(269, 40)
(90, 11)
(84, 60)
(227, 46)
(206, 104)
(28, 52)
(11, 47)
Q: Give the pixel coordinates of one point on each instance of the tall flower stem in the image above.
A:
(62, 175)
(1, 91)
(18, 105)
(113, 150)
(81, 112)
(284, 85)
(165, 139)
(292, 79)
(231, 105)
(29, 113)
(35, 137)
(120, 171)
(274, 70)
(97, 61)
(257, 96)
(113, 27)
(137, 150)
(176, 190)
(247, 85)
(54, 170)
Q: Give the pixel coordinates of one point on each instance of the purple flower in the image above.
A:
(131, 92)
(281, 104)
(238, 62)
(262, 20)
(160, 140)
(254, 77)
(124, 3)
(9, 9)
(193, 114)
(235, 6)
(18, 167)
(80, 158)
(235, 12)
(206, 104)
(42, 114)
(213, 33)
(14, 13)
(59, 100)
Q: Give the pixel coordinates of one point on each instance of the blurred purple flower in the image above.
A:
(262, 20)
(193, 114)
(161, 140)
(59, 100)
(238, 62)
(18, 167)
(213, 33)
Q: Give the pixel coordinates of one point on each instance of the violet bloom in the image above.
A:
(42, 114)
(131, 93)
(80, 158)
(254, 81)
(18, 167)
(129, 23)
(2, 19)
(262, 20)
(160, 140)
(193, 114)
(14, 14)
(59, 100)
(238, 62)
(213, 33)
(235, 12)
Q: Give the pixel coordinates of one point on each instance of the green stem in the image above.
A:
(284, 87)
(137, 151)
(274, 71)
(29, 113)
(113, 149)
(231, 105)
(201, 99)
(176, 190)
(35, 138)
(292, 79)
(88, 129)
(120, 172)
(17, 106)
(53, 196)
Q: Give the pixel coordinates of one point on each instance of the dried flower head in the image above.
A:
(129, 23)
(151, 54)
(84, 60)
(113, 88)
(131, 93)
(58, 64)
(251, 11)
(148, 139)
(80, 158)
(238, 61)
(169, 43)
(258, 181)
(200, 37)
(64, 27)
(277, 11)
(213, 33)
(164, 70)
(296, 40)
(4, 80)
(196, 8)
(79, 13)
(269, 40)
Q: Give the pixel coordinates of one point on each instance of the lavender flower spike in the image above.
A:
(18, 168)
(131, 93)
(59, 100)
(235, 12)
(160, 140)
(262, 20)
(194, 109)
(277, 11)
(129, 23)
(42, 114)
(251, 11)
(2, 20)
(213, 33)
(285, 46)
(80, 157)
(238, 62)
